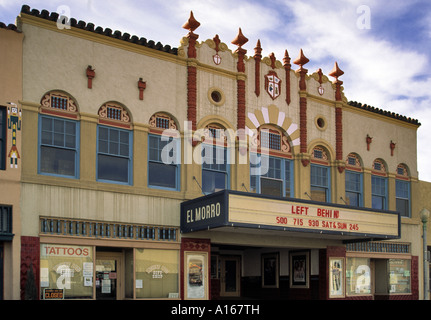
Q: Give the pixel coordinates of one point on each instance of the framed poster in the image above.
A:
(336, 278)
(270, 270)
(196, 279)
(300, 269)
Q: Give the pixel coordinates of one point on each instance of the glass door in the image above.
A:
(230, 277)
(107, 277)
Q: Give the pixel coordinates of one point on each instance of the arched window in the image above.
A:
(58, 137)
(402, 190)
(379, 185)
(320, 178)
(164, 153)
(271, 167)
(354, 180)
(114, 144)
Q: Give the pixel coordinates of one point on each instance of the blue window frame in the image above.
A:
(354, 188)
(271, 175)
(379, 192)
(3, 123)
(402, 194)
(114, 155)
(215, 168)
(320, 183)
(58, 147)
(164, 162)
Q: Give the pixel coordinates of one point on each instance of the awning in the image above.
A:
(233, 209)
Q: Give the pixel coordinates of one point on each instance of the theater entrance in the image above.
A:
(230, 276)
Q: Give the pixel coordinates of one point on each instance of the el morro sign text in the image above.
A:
(204, 212)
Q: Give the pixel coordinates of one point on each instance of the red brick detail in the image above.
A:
(287, 67)
(30, 257)
(189, 244)
(303, 124)
(414, 274)
(141, 86)
(241, 104)
(257, 60)
(338, 133)
(191, 95)
(91, 73)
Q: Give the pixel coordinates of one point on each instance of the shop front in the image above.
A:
(296, 249)
(134, 262)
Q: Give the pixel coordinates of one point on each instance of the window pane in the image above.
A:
(158, 271)
(213, 181)
(403, 207)
(113, 168)
(162, 175)
(61, 271)
(358, 276)
(318, 194)
(271, 187)
(57, 161)
(353, 199)
(378, 202)
(399, 276)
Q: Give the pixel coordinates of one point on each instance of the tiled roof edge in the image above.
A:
(384, 112)
(9, 27)
(53, 16)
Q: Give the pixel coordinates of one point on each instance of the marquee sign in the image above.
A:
(238, 209)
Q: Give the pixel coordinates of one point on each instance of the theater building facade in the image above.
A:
(206, 172)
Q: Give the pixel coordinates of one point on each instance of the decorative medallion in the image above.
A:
(216, 57)
(272, 84)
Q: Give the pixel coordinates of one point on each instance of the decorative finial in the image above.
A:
(240, 39)
(336, 72)
(192, 24)
(301, 60)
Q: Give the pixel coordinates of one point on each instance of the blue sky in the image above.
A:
(383, 47)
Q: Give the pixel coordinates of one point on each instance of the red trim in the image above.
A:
(59, 113)
(115, 124)
(287, 65)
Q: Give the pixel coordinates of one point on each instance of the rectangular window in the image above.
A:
(378, 192)
(58, 147)
(5, 220)
(358, 276)
(163, 162)
(320, 190)
(403, 197)
(399, 276)
(354, 188)
(3, 144)
(271, 176)
(68, 268)
(156, 273)
(114, 155)
(215, 169)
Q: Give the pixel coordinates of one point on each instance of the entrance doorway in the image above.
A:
(108, 276)
(230, 276)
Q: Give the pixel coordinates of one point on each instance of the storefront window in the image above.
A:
(399, 276)
(358, 276)
(66, 270)
(156, 273)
